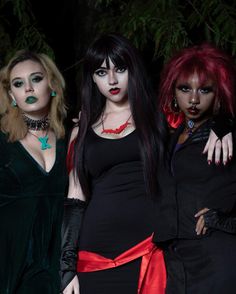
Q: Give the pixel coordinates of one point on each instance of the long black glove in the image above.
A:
(72, 219)
(222, 125)
(214, 219)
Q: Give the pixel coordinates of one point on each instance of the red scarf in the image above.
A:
(152, 277)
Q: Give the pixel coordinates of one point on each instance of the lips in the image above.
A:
(114, 91)
(31, 99)
(193, 111)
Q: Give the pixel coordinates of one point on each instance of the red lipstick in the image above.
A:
(114, 91)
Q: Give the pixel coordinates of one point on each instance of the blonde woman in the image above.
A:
(32, 173)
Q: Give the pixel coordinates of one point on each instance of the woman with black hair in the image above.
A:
(119, 141)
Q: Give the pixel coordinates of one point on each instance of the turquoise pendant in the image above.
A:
(44, 142)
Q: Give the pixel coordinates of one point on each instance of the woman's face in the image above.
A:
(29, 87)
(196, 100)
(112, 82)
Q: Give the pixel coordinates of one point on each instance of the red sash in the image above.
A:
(152, 277)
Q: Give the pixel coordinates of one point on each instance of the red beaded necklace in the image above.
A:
(118, 130)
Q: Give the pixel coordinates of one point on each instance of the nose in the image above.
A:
(29, 87)
(112, 79)
(194, 98)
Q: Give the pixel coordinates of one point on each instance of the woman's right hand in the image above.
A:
(72, 287)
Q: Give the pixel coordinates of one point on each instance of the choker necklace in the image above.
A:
(116, 131)
(189, 127)
(43, 141)
(36, 125)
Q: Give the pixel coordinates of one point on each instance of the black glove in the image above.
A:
(214, 219)
(222, 125)
(72, 219)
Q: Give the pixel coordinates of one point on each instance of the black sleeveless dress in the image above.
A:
(31, 202)
(119, 215)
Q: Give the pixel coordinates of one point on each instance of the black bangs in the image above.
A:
(104, 50)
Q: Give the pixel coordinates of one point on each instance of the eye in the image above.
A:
(100, 72)
(18, 83)
(206, 90)
(37, 79)
(183, 88)
(121, 69)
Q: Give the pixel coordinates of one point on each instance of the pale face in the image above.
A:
(194, 99)
(29, 87)
(112, 82)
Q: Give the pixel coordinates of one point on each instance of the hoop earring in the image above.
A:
(174, 106)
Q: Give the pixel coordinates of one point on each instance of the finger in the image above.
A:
(204, 230)
(225, 149)
(206, 147)
(217, 152)
(230, 146)
(200, 225)
(211, 146)
(229, 139)
(202, 211)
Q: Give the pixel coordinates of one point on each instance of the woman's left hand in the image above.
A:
(200, 226)
(215, 146)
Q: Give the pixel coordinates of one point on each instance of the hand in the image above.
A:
(200, 226)
(72, 287)
(215, 145)
(218, 220)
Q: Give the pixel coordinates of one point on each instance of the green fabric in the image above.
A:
(31, 205)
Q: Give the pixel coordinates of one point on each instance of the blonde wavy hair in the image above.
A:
(11, 118)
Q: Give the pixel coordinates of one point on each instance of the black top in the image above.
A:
(119, 214)
(191, 185)
(31, 202)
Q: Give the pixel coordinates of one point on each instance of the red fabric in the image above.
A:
(69, 157)
(174, 119)
(152, 278)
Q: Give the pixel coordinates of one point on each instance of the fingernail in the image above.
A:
(230, 157)
(217, 162)
(209, 162)
(225, 162)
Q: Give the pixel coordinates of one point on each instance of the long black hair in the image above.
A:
(150, 125)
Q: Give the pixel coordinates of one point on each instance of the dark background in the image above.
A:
(64, 28)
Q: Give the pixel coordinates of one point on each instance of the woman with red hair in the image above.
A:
(196, 223)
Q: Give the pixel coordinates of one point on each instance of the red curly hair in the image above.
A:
(207, 61)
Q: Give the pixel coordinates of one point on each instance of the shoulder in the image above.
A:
(74, 133)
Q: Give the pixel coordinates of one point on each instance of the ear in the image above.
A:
(94, 79)
(11, 95)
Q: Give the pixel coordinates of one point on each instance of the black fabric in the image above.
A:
(222, 125)
(116, 280)
(31, 204)
(72, 219)
(204, 263)
(215, 219)
(119, 214)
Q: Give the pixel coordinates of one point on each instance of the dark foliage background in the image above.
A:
(63, 29)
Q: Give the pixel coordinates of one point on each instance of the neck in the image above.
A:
(116, 107)
(36, 124)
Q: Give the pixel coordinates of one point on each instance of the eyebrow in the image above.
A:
(32, 74)
(102, 67)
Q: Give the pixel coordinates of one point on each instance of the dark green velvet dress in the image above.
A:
(31, 203)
